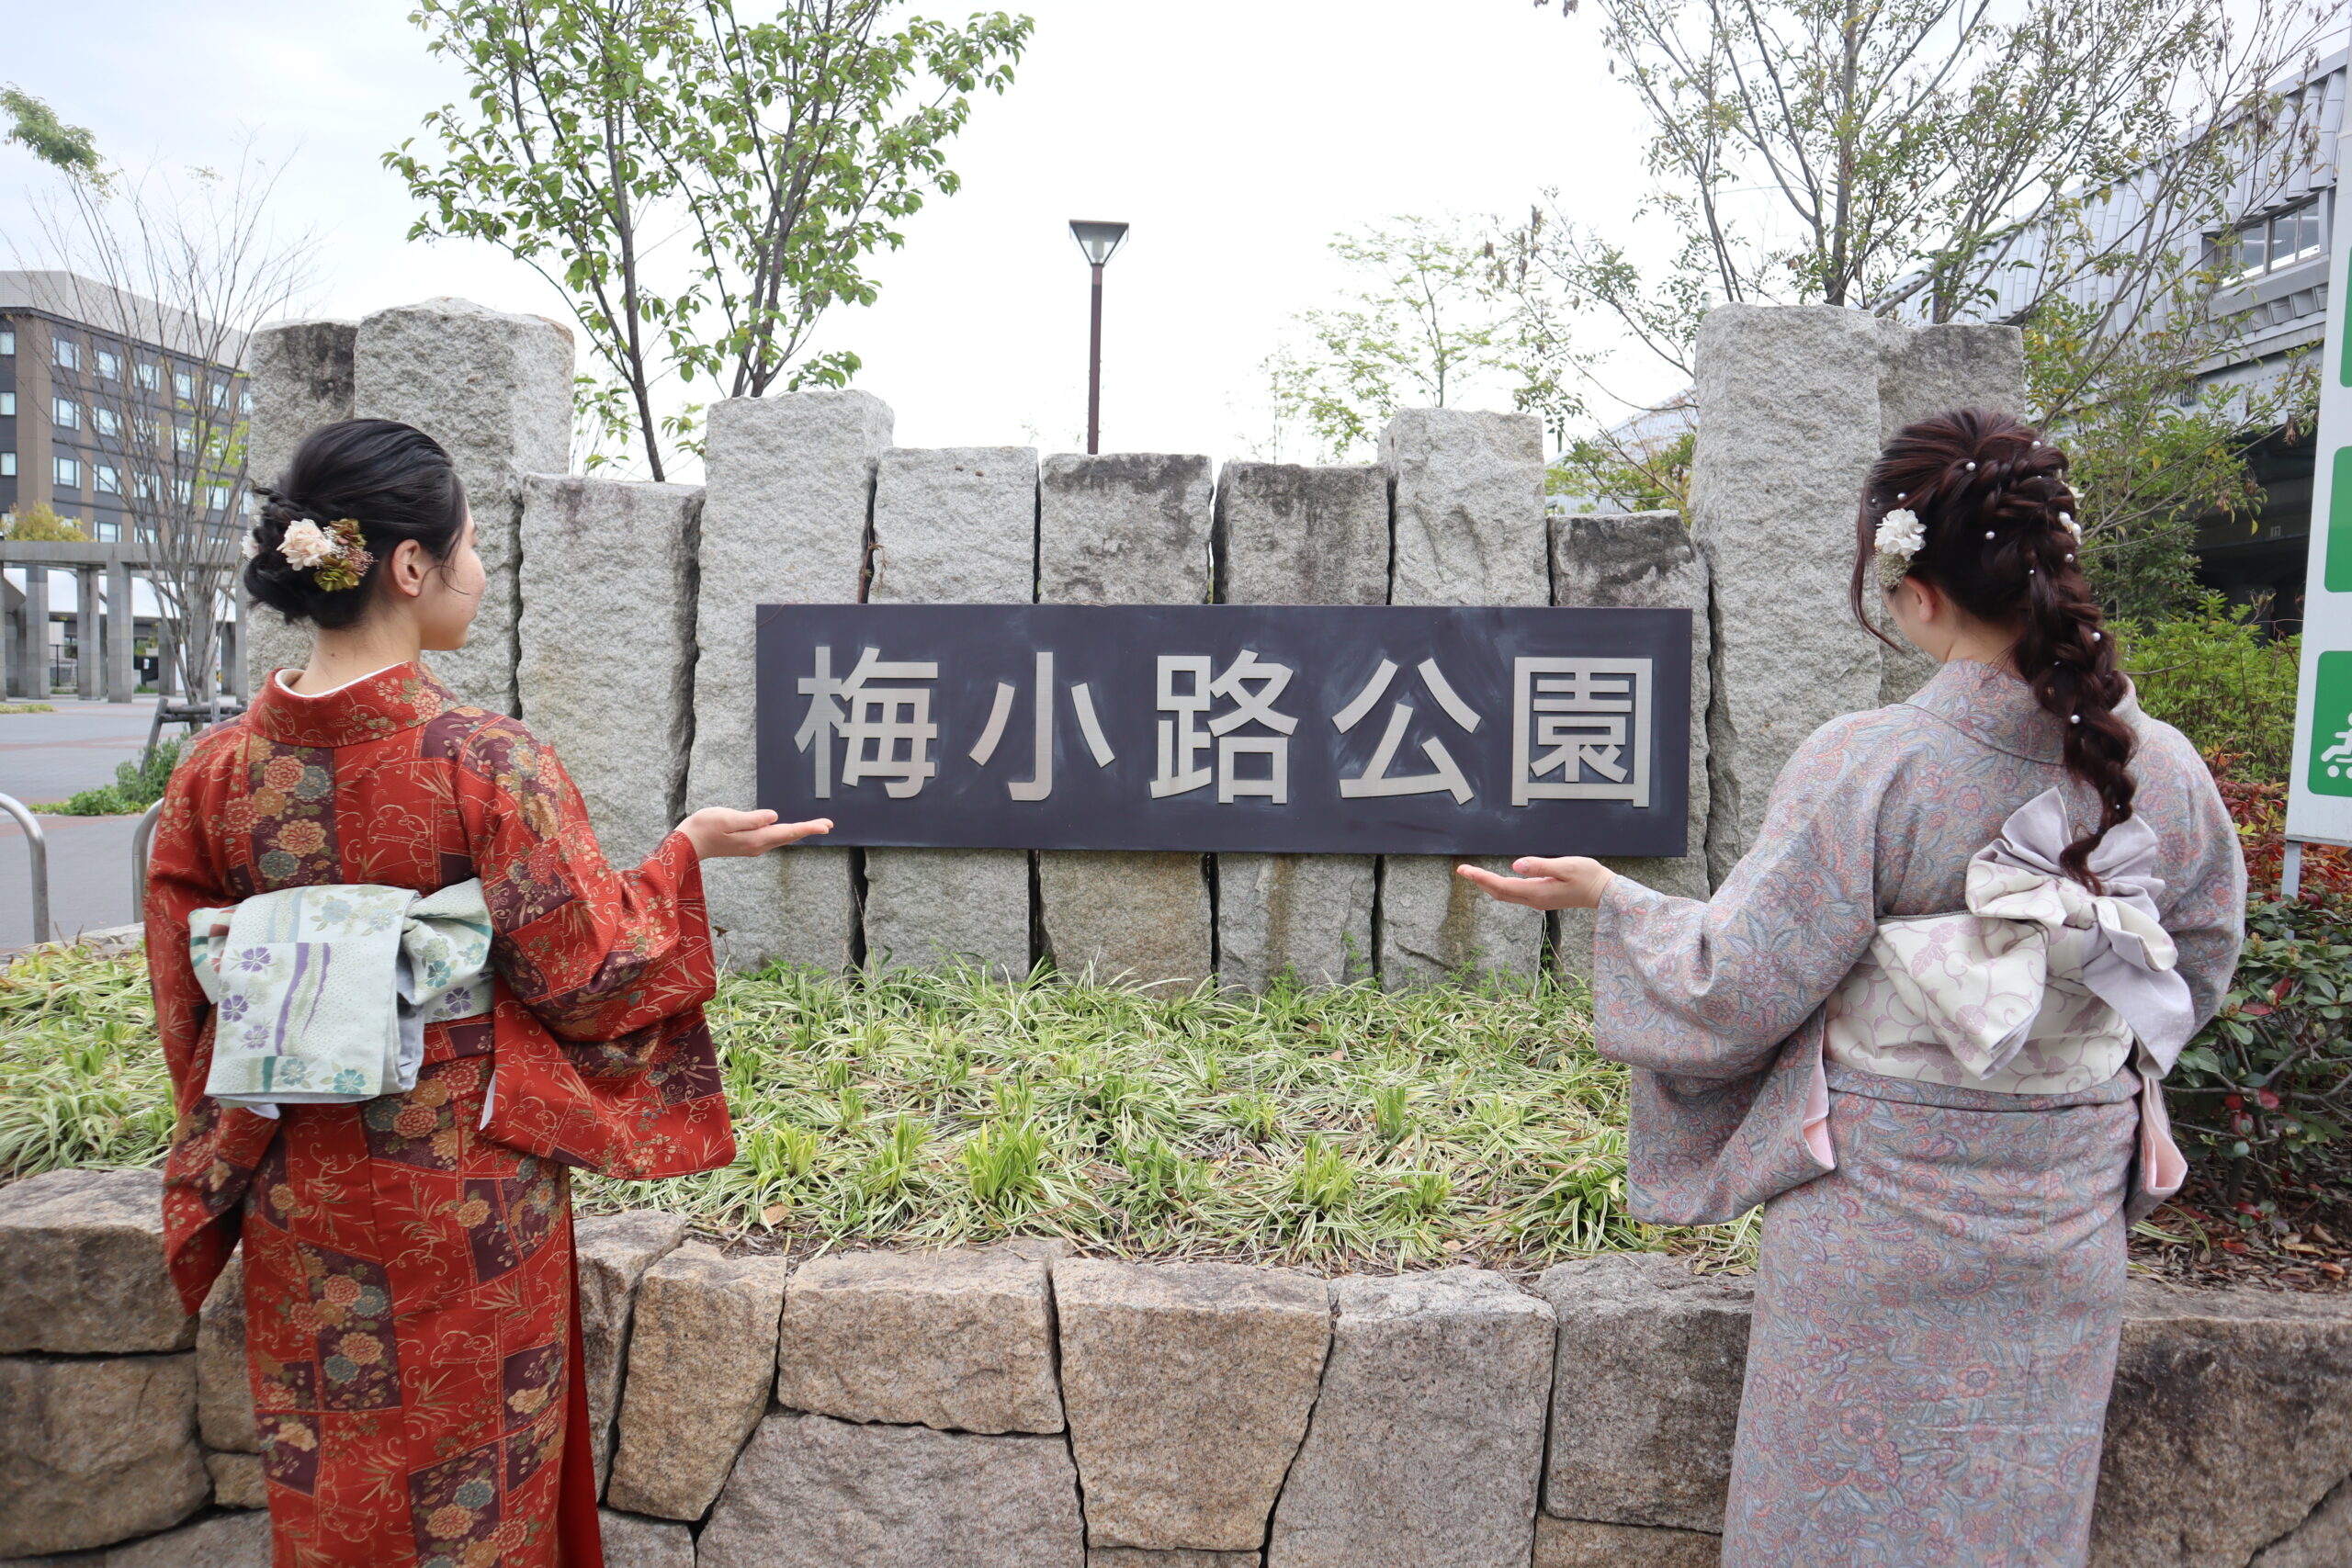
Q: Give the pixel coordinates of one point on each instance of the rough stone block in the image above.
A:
(238, 1480)
(221, 1541)
(2228, 1430)
(495, 389)
(1291, 535)
(956, 526)
(960, 1340)
(615, 1251)
(2321, 1540)
(1134, 917)
(609, 565)
(1645, 1391)
(701, 1360)
(1308, 915)
(1187, 1386)
(1426, 1439)
(96, 1450)
(85, 1272)
(788, 482)
(299, 374)
(1579, 1543)
(224, 1392)
(1131, 1557)
(1789, 409)
(1640, 560)
(1434, 925)
(810, 1492)
(632, 1541)
(1469, 507)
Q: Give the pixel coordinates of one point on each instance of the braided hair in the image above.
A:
(2000, 542)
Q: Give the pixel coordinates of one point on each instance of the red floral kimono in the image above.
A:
(412, 1311)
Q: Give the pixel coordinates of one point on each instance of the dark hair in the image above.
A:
(393, 479)
(1992, 497)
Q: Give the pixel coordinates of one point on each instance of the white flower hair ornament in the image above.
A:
(1901, 536)
(336, 554)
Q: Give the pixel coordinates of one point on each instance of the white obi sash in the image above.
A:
(321, 994)
(2039, 987)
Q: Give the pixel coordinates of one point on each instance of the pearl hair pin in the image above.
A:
(1988, 533)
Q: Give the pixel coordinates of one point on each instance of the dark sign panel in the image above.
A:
(1286, 729)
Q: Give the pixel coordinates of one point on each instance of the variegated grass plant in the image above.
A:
(1345, 1127)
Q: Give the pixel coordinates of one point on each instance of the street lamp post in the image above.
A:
(1099, 240)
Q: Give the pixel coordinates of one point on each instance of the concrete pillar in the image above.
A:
(1930, 371)
(608, 653)
(12, 639)
(301, 376)
(789, 482)
(86, 657)
(232, 650)
(121, 629)
(37, 631)
(1640, 560)
(953, 526)
(1788, 428)
(1289, 535)
(1131, 528)
(495, 389)
(1469, 530)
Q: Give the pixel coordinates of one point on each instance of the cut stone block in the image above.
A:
(2322, 1540)
(1307, 916)
(1646, 1389)
(610, 564)
(1426, 1439)
(956, 526)
(960, 1340)
(1469, 507)
(1931, 370)
(2229, 1427)
(615, 1251)
(810, 1492)
(1187, 1386)
(1130, 1557)
(701, 1360)
(238, 1481)
(1134, 917)
(1579, 1543)
(788, 482)
(85, 1273)
(1789, 405)
(96, 1450)
(299, 374)
(224, 1390)
(1640, 560)
(495, 388)
(1434, 925)
(631, 1541)
(222, 1540)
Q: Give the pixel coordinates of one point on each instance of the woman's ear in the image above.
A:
(1928, 602)
(406, 569)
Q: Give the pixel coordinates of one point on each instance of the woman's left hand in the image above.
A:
(1571, 882)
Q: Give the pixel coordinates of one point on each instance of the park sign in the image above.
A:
(2319, 787)
(1317, 729)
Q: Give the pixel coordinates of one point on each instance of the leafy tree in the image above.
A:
(40, 522)
(35, 127)
(700, 186)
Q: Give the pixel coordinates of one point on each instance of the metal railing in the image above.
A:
(37, 847)
(141, 838)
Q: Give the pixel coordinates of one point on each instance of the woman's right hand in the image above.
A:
(716, 831)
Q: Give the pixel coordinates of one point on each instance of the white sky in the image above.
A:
(1236, 135)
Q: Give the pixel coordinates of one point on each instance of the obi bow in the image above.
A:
(1978, 978)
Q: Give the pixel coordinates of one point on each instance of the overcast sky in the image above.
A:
(1235, 135)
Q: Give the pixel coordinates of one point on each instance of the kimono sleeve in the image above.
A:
(593, 954)
(2204, 904)
(1709, 990)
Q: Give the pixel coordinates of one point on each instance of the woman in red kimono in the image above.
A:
(412, 1310)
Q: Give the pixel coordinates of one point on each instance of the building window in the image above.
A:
(143, 486)
(220, 501)
(66, 352)
(7, 405)
(149, 377)
(150, 432)
(107, 422)
(109, 479)
(2268, 245)
(245, 403)
(8, 465)
(109, 533)
(185, 490)
(69, 473)
(110, 365)
(9, 342)
(183, 437)
(66, 413)
(183, 386)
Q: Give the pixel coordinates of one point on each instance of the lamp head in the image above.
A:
(1099, 240)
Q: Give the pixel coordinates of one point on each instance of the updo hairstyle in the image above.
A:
(1998, 513)
(392, 478)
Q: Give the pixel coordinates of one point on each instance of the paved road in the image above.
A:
(48, 756)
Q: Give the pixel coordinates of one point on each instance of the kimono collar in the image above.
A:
(383, 704)
(1992, 706)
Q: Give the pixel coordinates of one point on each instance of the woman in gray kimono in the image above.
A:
(1924, 1021)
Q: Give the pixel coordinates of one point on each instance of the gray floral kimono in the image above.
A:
(1939, 1302)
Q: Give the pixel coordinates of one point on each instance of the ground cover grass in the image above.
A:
(1332, 1128)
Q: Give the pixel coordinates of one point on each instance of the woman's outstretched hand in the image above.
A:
(1571, 882)
(716, 830)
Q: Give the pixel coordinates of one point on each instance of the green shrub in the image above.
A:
(2265, 1090)
(2216, 677)
(135, 788)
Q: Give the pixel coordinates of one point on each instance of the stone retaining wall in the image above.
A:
(1019, 1405)
(619, 621)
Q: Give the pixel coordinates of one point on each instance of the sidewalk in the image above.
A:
(46, 757)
